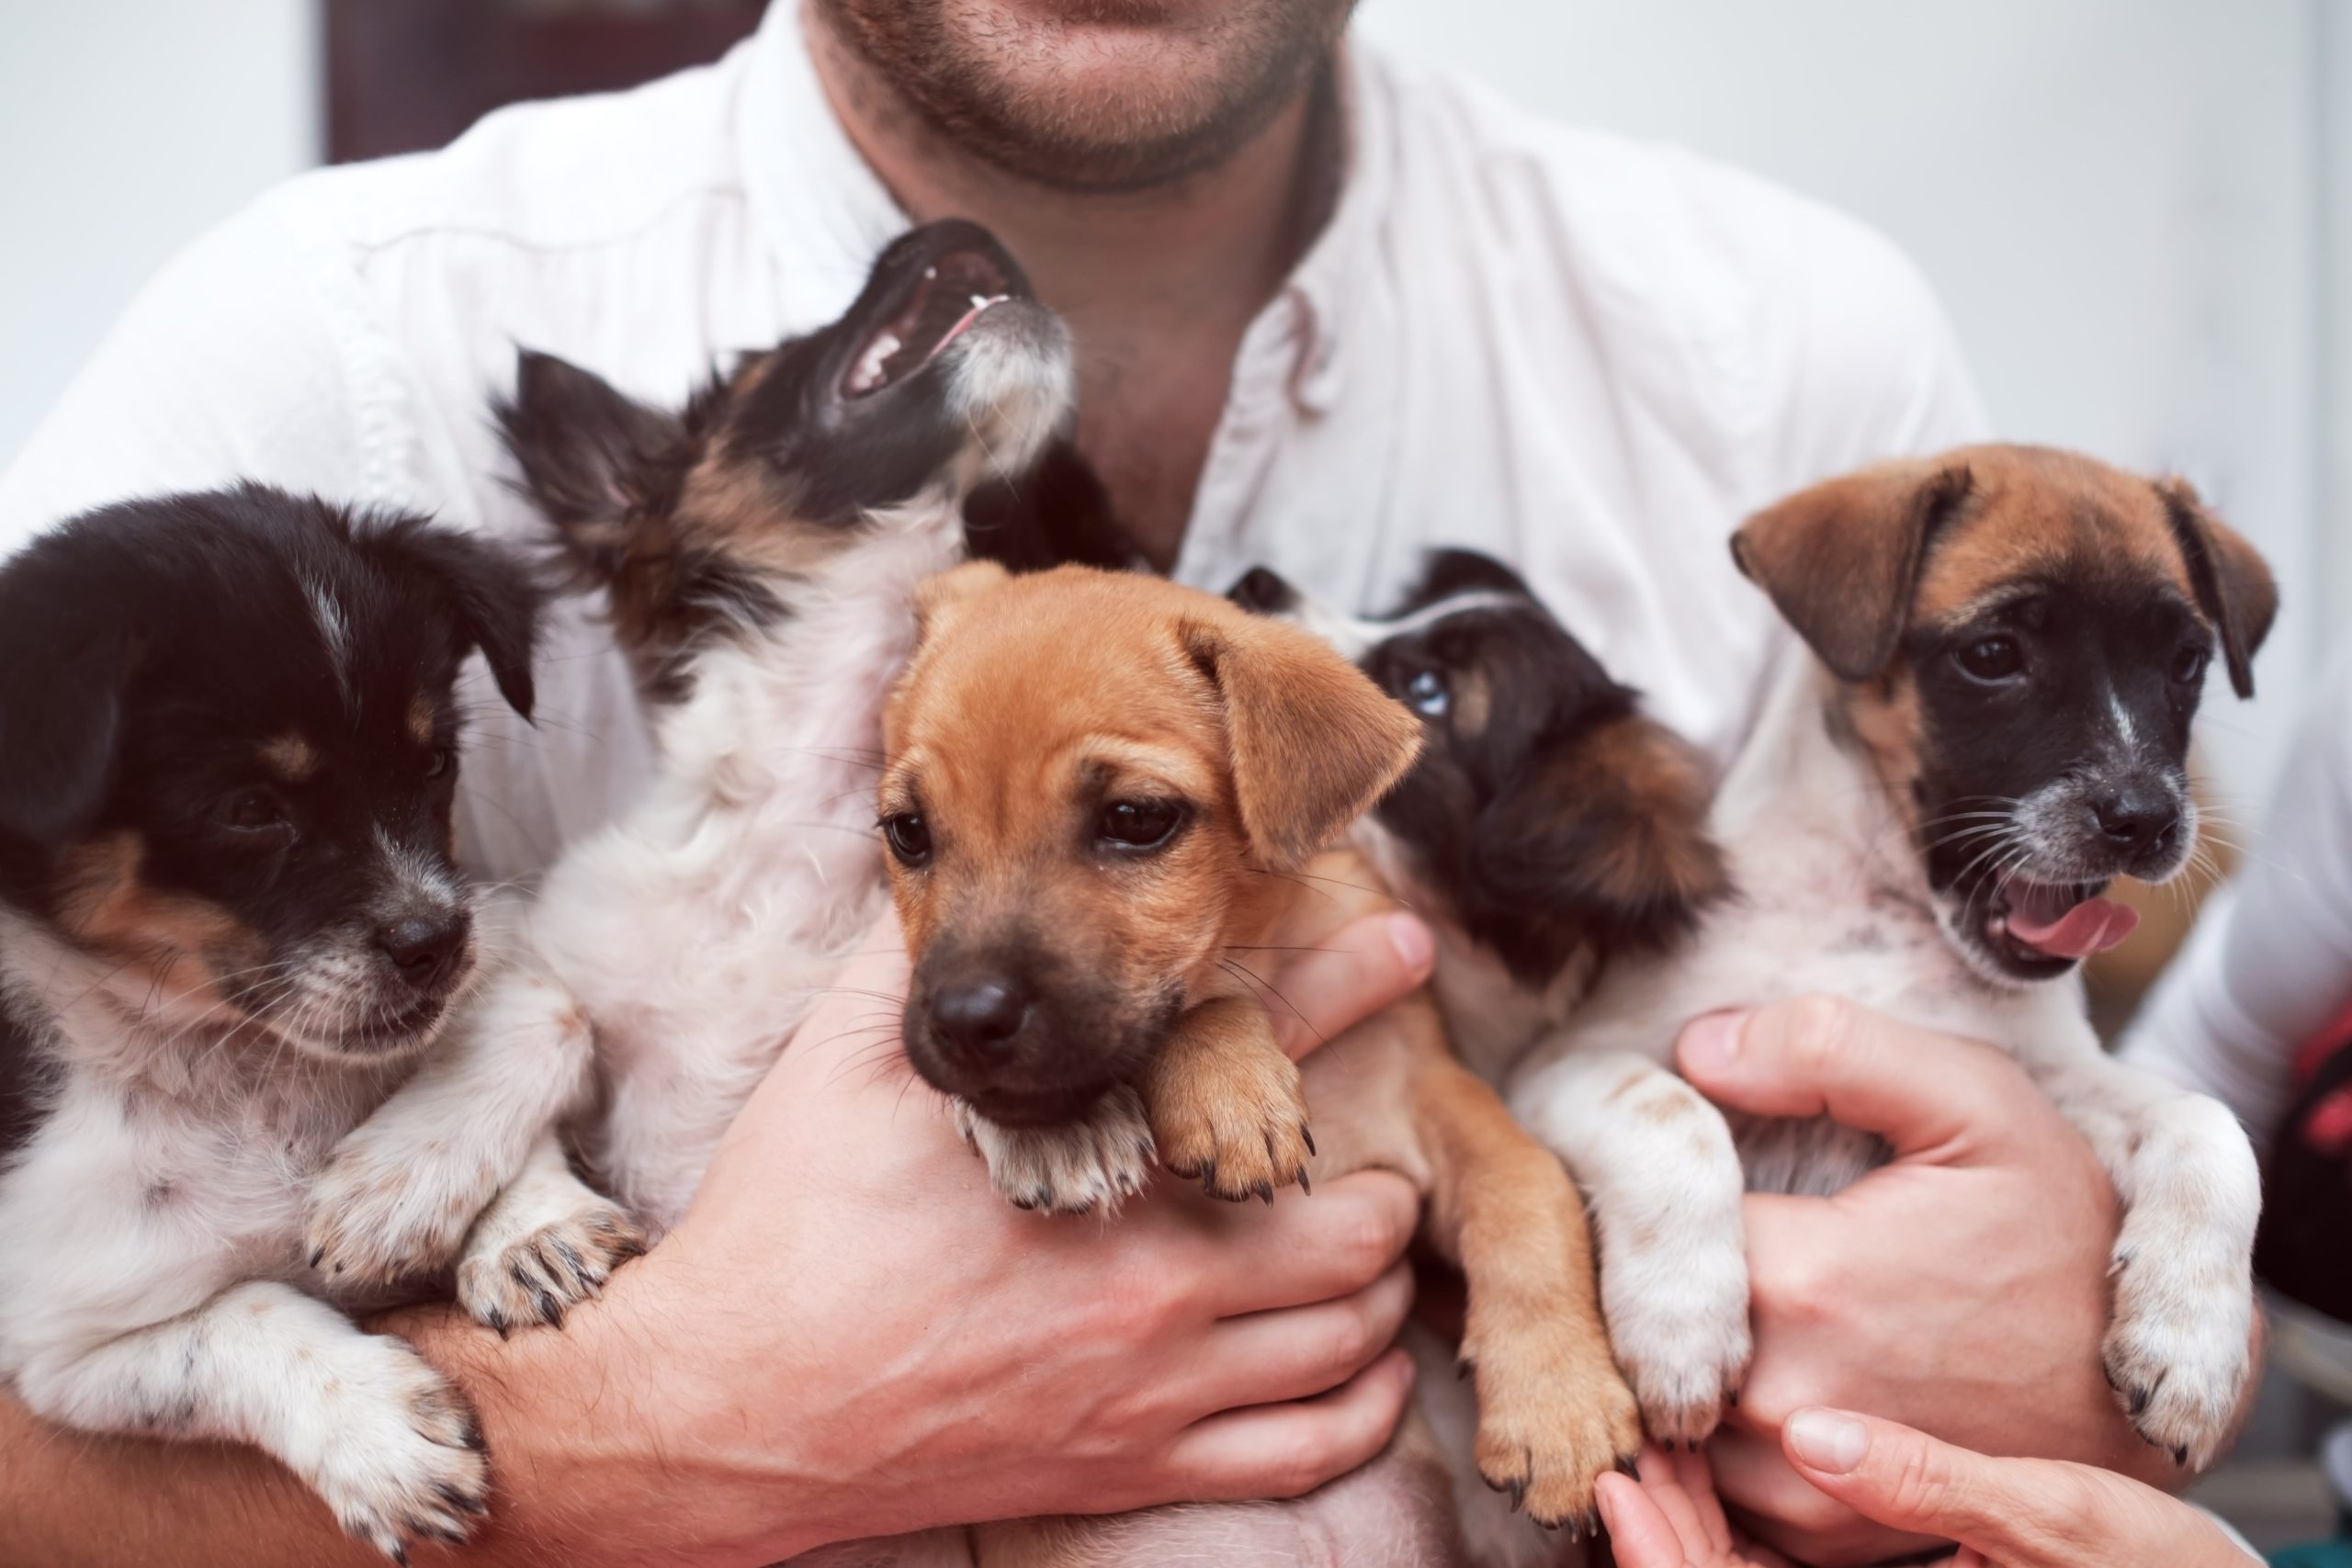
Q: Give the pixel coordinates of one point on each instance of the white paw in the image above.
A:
(2176, 1350)
(1678, 1321)
(1074, 1169)
(513, 1277)
(396, 1453)
(385, 1208)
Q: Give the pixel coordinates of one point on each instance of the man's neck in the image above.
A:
(1158, 285)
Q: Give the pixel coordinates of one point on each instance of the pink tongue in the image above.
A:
(2092, 926)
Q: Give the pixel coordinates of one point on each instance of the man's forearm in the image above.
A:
(69, 1499)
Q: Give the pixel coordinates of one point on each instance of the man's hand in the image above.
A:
(2003, 1513)
(850, 1334)
(1962, 1288)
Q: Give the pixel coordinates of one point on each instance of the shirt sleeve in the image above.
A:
(229, 364)
(2270, 963)
(1878, 368)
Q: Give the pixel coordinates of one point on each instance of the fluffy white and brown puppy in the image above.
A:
(229, 926)
(2007, 645)
(758, 553)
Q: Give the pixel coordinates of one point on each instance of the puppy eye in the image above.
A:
(1138, 824)
(1426, 694)
(1992, 659)
(438, 764)
(909, 835)
(2189, 664)
(252, 811)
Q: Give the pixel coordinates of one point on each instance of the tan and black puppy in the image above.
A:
(1105, 795)
(2005, 646)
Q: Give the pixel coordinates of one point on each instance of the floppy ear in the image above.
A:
(2232, 582)
(1607, 849)
(65, 658)
(1841, 561)
(589, 456)
(491, 593)
(1314, 742)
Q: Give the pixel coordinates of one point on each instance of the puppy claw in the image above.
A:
(516, 1277)
(1239, 1118)
(1072, 1169)
(1553, 1414)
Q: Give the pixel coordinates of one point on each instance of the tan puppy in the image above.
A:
(1104, 794)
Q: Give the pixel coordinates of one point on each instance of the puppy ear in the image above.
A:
(938, 595)
(2232, 582)
(1605, 850)
(65, 659)
(1841, 561)
(490, 592)
(589, 456)
(1314, 742)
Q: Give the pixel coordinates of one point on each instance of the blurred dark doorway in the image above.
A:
(403, 75)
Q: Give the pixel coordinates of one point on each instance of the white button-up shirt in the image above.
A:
(1588, 357)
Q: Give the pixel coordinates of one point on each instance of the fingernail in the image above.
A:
(1413, 942)
(1826, 1440)
(1711, 1042)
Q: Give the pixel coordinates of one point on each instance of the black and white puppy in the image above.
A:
(229, 926)
(758, 553)
(2005, 648)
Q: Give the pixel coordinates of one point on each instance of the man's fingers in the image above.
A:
(1921, 1091)
(1312, 995)
(1640, 1535)
(2025, 1513)
(1288, 1450)
(1306, 1249)
(1299, 1352)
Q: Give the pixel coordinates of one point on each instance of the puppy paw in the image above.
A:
(1072, 1169)
(384, 1210)
(1553, 1416)
(398, 1455)
(2176, 1350)
(1677, 1318)
(515, 1274)
(1234, 1121)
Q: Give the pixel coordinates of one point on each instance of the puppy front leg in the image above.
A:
(1553, 1414)
(2177, 1347)
(1226, 1106)
(401, 1189)
(1658, 1164)
(547, 1243)
(1074, 1169)
(361, 1417)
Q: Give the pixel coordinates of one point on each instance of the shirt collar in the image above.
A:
(824, 215)
(822, 210)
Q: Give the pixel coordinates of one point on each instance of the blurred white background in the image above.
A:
(2130, 207)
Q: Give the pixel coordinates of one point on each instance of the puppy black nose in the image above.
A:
(1263, 592)
(424, 949)
(2136, 820)
(978, 1019)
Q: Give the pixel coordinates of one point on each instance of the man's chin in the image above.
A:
(1093, 94)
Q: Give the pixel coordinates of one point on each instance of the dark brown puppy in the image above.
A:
(1105, 794)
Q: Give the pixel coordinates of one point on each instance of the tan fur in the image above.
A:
(422, 719)
(291, 758)
(1855, 562)
(183, 943)
(1023, 696)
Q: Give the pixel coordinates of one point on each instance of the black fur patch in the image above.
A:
(211, 703)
